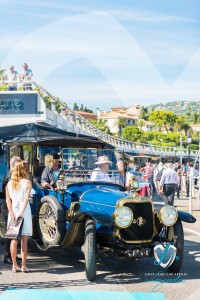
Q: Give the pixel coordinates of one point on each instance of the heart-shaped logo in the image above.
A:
(164, 255)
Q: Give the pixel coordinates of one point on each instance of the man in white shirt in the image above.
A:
(101, 172)
(11, 75)
(168, 184)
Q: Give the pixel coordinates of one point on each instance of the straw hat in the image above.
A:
(103, 160)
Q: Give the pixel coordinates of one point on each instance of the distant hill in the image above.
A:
(178, 107)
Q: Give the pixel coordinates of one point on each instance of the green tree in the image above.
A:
(121, 122)
(172, 137)
(47, 101)
(140, 123)
(3, 87)
(75, 107)
(163, 118)
(143, 113)
(180, 120)
(132, 133)
(195, 117)
(88, 110)
(81, 108)
(2, 72)
(186, 127)
(101, 125)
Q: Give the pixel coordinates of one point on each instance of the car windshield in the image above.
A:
(93, 164)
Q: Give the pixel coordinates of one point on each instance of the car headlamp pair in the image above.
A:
(123, 216)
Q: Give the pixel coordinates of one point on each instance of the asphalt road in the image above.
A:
(63, 271)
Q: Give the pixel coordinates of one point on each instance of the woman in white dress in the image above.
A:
(18, 191)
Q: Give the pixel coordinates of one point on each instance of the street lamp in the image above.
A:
(189, 140)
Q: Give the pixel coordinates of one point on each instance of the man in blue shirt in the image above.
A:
(51, 173)
(26, 75)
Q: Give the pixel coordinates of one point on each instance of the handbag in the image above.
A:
(14, 229)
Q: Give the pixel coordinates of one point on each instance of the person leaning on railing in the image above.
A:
(26, 75)
(11, 76)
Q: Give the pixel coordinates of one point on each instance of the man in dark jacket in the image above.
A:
(4, 209)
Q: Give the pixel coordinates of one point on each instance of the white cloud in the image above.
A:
(102, 40)
(149, 16)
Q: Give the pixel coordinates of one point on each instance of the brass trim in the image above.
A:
(117, 233)
(138, 199)
(71, 212)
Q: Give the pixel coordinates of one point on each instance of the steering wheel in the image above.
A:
(75, 171)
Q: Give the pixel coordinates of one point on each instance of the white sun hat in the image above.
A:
(102, 160)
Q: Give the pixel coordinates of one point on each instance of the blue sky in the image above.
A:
(108, 52)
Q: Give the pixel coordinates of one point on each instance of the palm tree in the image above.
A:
(2, 71)
(140, 123)
(186, 127)
(121, 122)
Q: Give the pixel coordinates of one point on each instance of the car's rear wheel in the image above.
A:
(90, 250)
(176, 235)
(51, 221)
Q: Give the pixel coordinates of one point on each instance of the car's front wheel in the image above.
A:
(90, 250)
(51, 221)
(176, 235)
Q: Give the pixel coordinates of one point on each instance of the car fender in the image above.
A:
(76, 232)
(100, 217)
(186, 217)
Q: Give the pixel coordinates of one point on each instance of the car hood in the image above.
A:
(101, 197)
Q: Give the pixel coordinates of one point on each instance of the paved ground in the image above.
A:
(59, 274)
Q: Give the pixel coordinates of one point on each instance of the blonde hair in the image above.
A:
(19, 171)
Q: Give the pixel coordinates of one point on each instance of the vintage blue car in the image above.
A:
(105, 214)
(95, 204)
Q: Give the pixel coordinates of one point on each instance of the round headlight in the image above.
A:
(135, 184)
(168, 215)
(123, 216)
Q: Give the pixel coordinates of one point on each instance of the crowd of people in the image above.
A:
(165, 179)
(12, 76)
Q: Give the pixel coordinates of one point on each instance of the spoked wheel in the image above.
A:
(176, 235)
(51, 221)
(90, 249)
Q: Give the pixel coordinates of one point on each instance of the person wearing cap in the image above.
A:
(100, 173)
(51, 173)
(26, 75)
(11, 76)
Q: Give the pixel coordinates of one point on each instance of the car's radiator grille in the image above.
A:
(142, 228)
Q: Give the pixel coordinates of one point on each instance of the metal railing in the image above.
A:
(193, 190)
(85, 125)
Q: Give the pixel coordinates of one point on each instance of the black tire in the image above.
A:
(178, 241)
(51, 221)
(90, 250)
